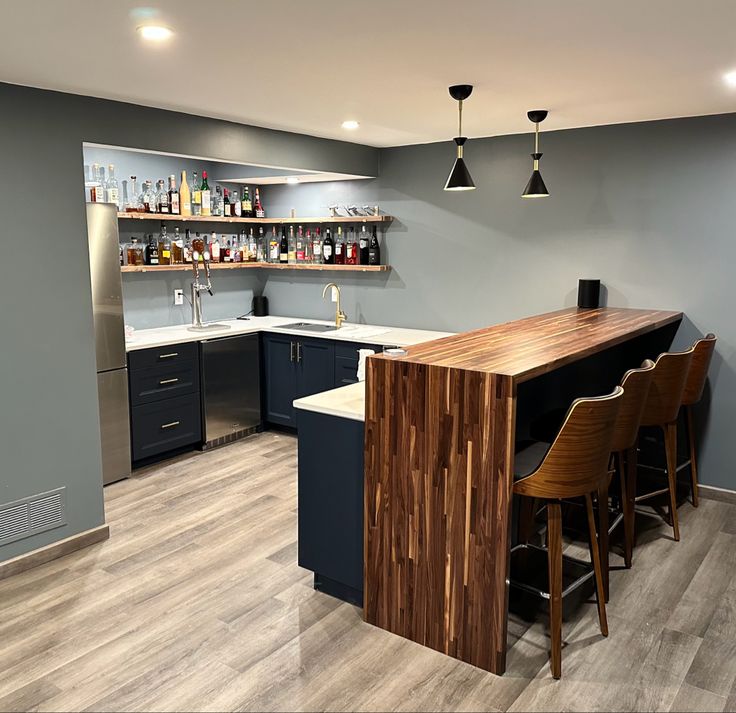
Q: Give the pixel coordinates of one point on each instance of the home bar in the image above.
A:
(441, 426)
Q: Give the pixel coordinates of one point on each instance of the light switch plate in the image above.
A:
(178, 297)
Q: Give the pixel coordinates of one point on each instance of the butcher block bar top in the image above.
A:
(535, 345)
(440, 434)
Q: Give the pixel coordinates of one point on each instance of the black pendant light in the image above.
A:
(536, 188)
(459, 178)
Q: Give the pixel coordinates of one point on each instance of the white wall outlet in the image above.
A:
(178, 297)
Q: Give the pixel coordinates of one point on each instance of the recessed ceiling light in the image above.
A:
(292, 180)
(156, 33)
(730, 78)
(350, 124)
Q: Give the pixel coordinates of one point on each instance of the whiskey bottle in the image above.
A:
(151, 254)
(177, 247)
(284, 247)
(215, 248)
(187, 250)
(162, 198)
(173, 194)
(164, 247)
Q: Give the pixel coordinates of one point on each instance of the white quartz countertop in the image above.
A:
(344, 402)
(367, 333)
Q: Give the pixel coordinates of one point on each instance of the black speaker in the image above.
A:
(589, 294)
(260, 306)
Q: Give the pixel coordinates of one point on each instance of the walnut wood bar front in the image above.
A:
(440, 432)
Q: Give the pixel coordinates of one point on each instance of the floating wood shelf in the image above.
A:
(270, 221)
(256, 266)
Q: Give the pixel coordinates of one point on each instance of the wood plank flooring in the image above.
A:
(196, 603)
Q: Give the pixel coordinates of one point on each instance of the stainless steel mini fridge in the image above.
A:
(231, 396)
(112, 372)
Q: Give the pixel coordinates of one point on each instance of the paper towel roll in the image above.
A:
(362, 354)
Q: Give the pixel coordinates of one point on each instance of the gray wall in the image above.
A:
(49, 430)
(647, 208)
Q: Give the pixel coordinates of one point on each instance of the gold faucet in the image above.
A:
(340, 316)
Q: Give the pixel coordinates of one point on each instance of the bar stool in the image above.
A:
(661, 410)
(636, 384)
(576, 465)
(702, 355)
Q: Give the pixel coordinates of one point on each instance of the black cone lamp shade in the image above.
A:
(459, 178)
(536, 188)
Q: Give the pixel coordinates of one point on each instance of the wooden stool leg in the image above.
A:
(554, 555)
(693, 457)
(628, 528)
(603, 535)
(527, 511)
(600, 596)
(670, 436)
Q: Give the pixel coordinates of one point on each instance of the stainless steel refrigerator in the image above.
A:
(112, 372)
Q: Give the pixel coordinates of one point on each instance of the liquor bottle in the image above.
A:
(111, 188)
(177, 247)
(226, 252)
(284, 247)
(133, 206)
(122, 255)
(164, 247)
(261, 247)
(146, 197)
(351, 249)
(260, 212)
(135, 253)
(339, 247)
(198, 247)
(185, 196)
(252, 247)
(174, 205)
(95, 188)
(328, 256)
(292, 246)
(226, 203)
(316, 248)
(215, 249)
(206, 196)
(196, 192)
(162, 198)
(246, 207)
(274, 249)
(308, 257)
(100, 185)
(239, 248)
(299, 250)
(237, 204)
(374, 250)
(151, 254)
(364, 242)
(187, 250)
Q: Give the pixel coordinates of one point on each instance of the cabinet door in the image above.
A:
(315, 366)
(346, 361)
(280, 379)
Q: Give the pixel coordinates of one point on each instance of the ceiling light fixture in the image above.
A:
(350, 124)
(459, 178)
(155, 33)
(292, 180)
(730, 78)
(536, 188)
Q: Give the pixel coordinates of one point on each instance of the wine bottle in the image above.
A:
(364, 242)
(185, 197)
(273, 247)
(174, 206)
(246, 207)
(351, 249)
(284, 250)
(237, 204)
(292, 246)
(317, 247)
(196, 192)
(374, 250)
(252, 247)
(260, 212)
(328, 256)
(339, 247)
(206, 195)
(226, 203)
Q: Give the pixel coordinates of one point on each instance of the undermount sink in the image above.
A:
(309, 327)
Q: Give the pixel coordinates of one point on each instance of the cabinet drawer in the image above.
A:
(171, 355)
(163, 382)
(346, 371)
(165, 425)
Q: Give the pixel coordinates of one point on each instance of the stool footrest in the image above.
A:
(646, 496)
(575, 571)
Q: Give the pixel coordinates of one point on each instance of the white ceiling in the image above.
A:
(306, 65)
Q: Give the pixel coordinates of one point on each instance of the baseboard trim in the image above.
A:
(710, 492)
(29, 560)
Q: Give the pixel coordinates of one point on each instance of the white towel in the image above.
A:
(362, 354)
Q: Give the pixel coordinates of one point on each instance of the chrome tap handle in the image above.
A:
(208, 286)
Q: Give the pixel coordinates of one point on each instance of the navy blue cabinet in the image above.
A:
(279, 379)
(330, 496)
